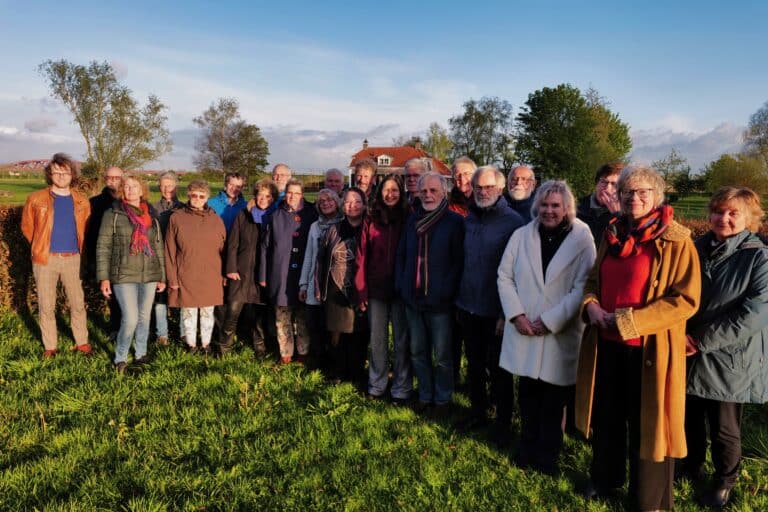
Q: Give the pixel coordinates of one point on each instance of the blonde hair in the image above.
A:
(138, 178)
(747, 199)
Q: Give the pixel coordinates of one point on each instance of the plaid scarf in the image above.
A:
(624, 239)
(140, 220)
(424, 226)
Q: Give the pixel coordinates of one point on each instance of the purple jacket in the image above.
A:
(375, 277)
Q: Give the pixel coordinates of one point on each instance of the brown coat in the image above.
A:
(673, 297)
(37, 222)
(193, 258)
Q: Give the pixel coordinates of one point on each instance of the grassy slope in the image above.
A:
(235, 434)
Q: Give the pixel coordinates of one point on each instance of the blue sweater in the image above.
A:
(227, 212)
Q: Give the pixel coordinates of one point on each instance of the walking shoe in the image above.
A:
(141, 361)
(191, 349)
(260, 349)
(420, 407)
(50, 354)
(84, 349)
(121, 367)
(162, 341)
(717, 498)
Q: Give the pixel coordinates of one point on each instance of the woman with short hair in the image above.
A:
(727, 338)
(130, 263)
(193, 252)
(630, 388)
(541, 282)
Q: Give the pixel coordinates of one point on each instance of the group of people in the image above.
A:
(610, 315)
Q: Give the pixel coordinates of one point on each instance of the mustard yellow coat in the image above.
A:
(673, 297)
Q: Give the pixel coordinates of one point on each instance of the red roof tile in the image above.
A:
(400, 155)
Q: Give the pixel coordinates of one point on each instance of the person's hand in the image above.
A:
(263, 284)
(363, 306)
(523, 325)
(303, 295)
(106, 288)
(173, 287)
(691, 345)
(224, 280)
(610, 200)
(597, 315)
(235, 276)
(161, 287)
(499, 327)
(539, 329)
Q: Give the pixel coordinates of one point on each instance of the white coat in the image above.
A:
(522, 290)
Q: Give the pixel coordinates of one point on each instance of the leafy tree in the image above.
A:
(671, 167)
(740, 170)
(756, 136)
(483, 131)
(117, 131)
(567, 135)
(438, 142)
(228, 143)
(405, 140)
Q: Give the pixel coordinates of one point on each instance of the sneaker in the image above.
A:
(141, 361)
(50, 354)
(85, 349)
(121, 367)
(162, 341)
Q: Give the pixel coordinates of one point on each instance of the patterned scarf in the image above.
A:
(424, 227)
(624, 240)
(140, 220)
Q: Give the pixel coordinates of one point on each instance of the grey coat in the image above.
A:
(731, 326)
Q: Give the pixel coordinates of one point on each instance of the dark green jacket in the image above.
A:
(114, 261)
(731, 326)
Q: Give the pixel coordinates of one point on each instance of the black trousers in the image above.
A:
(115, 316)
(457, 342)
(616, 420)
(541, 418)
(483, 349)
(724, 419)
(253, 318)
(505, 400)
(348, 356)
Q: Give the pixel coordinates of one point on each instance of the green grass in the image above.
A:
(189, 433)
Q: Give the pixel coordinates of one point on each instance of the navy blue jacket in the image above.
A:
(521, 206)
(486, 235)
(731, 326)
(445, 262)
(282, 252)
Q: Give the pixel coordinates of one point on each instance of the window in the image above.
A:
(384, 160)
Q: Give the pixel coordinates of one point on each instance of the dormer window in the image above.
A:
(384, 160)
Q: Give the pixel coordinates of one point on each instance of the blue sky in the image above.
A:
(318, 77)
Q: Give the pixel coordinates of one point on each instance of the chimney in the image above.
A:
(365, 144)
(417, 143)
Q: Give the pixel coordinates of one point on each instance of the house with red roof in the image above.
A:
(391, 159)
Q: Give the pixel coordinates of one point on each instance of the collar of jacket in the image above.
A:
(500, 205)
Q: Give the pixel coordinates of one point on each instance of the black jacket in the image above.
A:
(242, 256)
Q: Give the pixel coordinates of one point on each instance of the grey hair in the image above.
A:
(334, 171)
(416, 162)
(330, 193)
(501, 181)
(169, 175)
(555, 187)
(463, 160)
(432, 174)
(634, 173)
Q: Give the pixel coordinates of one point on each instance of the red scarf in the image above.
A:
(140, 220)
(624, 239)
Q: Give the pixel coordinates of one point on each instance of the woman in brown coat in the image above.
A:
(631, 376)
(193, 246)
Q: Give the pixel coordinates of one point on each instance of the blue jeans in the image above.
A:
(431, 334)
(161, 320)
(379, 314)
(135, 301)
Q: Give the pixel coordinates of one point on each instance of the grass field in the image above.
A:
(189, 433)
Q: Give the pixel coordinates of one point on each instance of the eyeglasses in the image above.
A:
(515, 179)
(113, 178)
(486, 188)
(198, 196)
(642, 193)
(61, 174)
(605, 183)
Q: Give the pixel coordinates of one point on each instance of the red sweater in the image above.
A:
(624, 283)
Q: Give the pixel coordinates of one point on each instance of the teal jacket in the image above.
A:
(114, 261)
(731, 326)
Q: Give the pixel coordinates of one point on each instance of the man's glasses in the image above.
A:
(516, 179)
(605, 183)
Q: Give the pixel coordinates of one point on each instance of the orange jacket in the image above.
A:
(37, 222)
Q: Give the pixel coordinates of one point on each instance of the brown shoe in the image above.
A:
(162, 341)
(85, 349)
(50, 354)
(121, 367)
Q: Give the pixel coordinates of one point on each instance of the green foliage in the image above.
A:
(742, 170)
(117, 131)
(675, 170)
(567, 135)
(483, 132)
(229, 143)
(438, 142)
(756, 136)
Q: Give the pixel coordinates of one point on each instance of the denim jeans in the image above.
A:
(431, 335)
(135, 301)
(161, 320)
(379, 314)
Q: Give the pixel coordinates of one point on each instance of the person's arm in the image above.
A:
(28, 220)
(506, 280)
(232, 247)
(265, 244)
(171, 255)
(308, 265)
(679, 303)
(744, 319)
(159, 248)
(361, 258)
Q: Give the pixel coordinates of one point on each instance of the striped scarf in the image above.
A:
(140, 220)
(424, 226)
(624, 240)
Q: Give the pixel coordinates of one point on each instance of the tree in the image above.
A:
(483, 131)
(672, 167)
(438, 142)
(117, 131)
(740, 170)
(228, 143)
(756, 136)
(405, 140)
(566, 135)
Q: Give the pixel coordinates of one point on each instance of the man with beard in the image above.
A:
(487, 229)
(520, 187)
